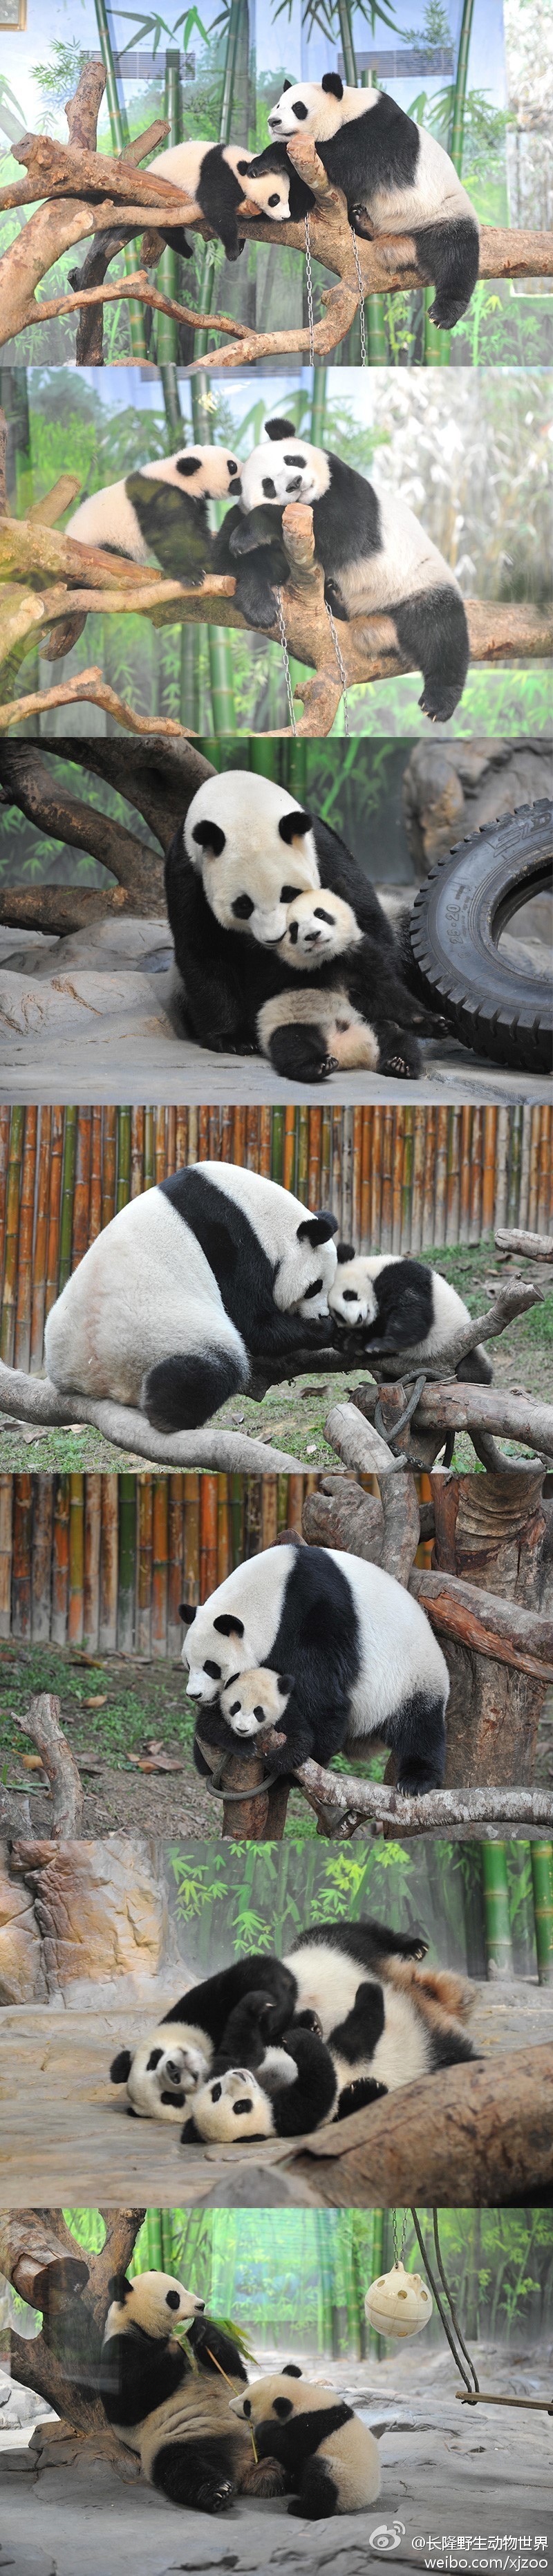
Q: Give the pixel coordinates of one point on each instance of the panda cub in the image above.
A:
(402, 1305)
(217, 177)
(396, 178)
(174, 2059)
(376, 558)
(330, 2457)
(160, 510)
(288, 2091)
(362, 1017)
(251, 1705)
(173, 2411)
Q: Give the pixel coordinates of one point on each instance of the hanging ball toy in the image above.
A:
(399, 2303)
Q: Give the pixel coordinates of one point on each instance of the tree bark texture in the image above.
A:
(483, 2136)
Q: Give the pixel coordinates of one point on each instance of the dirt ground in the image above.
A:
(293, 1415)
(449, 2474)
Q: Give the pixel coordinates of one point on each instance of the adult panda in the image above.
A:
(217, 176)
(160, 509)
(330, 2458)
(380, 2018)
(172, 2411)
(174, 2059)
(243, 854)
(366, 1664)
(376, 558)
(402, 1304)
(396, 178)
(355, 1009)
(188, 1284)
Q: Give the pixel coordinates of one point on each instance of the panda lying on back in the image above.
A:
(361, 1014)
(376, 558)
(396, 178)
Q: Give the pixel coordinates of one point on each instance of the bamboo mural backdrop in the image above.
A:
(396, 1179)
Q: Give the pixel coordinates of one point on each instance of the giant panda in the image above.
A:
(382, 2019)
(174, 2059)
(188, 1283)
(172, 2411)
(330, 2457)
(376, 558)
(218, 176)
(365, 1661)
(251, 1705)
(243, 854)
(362, 1015)
(396, 178)
(160, 509)
(402, 1304)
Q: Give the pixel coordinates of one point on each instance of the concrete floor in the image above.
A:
(446, 2470)
(66, 2139)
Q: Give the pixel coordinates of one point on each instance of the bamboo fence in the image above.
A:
(397, 1179)
(102, 1562)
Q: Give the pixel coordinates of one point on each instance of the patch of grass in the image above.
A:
(142, 1701)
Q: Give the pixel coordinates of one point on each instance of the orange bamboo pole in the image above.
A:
(226, 1134)
(144, 1570)
(38, 1298)
(417, 1197)
(453, 1176)
(160, 1145)
(407, 1179)
(4, 1155)
(289, 1168)
(109, 1564)
(109, 1163)
(357, 1174)
(347, 1173)
(265, 1126)
(208, 1536)
(269, 1511)
(171, 1135)
(440, 1189)
(81, 1201)
(6, 1518)
(488, 1170)
(191, 1578)
(137, 1153)
(22, 1344)
(76, 1561)
(175, 1592)
(41, 1563)
(160, 1566)
(314, 1199)
(429, 1183)
(295, 1502)
(203, 1134)
(545, 1191)
(60, 1562)
(387, 1173)
(181, 1139)
(326, 1160)
(502, 1141)
(13, 1194)
(252, 1140)
(465, 1174)
(239, 1137)
(95, 1200)
(224, 1559)
(375, 1124)
(476, 1175)
(253, 1490)
(21, 1559)
(92, 1546)
(149, 1173)
(336, 1191)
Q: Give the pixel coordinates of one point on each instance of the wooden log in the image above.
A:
(218, 1450)
(491, 1531)
(42, 1723)
(453, 1406)
(339, 1514)
(500, 1660)
(535, 1247)
(35, 2244)
(480, 2138)
(359, 1444)
(511, 1634)
(470, 1812)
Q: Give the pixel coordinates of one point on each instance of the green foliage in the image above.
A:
(243, 1897)
(539, 1322)
(156, 27)
(58, 75)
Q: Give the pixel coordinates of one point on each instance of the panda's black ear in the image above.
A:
(121, 2066)
(228, 1627)
(187, 464)
(285, 1684)
(331, 81)
(286, 85)
(119, 2288)
(280, 429)
(242, 168)
(209, 837)
(187, 1612)
(316, 1229)
(330, 1220)
(290, 2370)
(345, 1252)
(292, 827)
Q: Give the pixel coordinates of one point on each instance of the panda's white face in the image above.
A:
(270, 190)
(318, 929)
(282, 470)
(318, 108)
(155, 2303)
(233, 2106)
(164, 2071)
(282, 2394)
(351, 1298)
(255, 850)
(204, 472)
(255, 1699)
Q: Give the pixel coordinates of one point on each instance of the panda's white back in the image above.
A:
(108, 519)
(399, 1653)
(144, 1290)
(181, 163)
(406, 563)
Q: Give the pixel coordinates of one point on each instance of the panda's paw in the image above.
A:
(212, 2499)
(416, 1783)
(445, 315)
(328, 1064)
(438, 703)
(400, 1066)
(308, 2020)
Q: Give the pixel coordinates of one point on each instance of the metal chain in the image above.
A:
(341, 664)
(282, 633)
(399, 2253)
(309, 286)
(361, 298)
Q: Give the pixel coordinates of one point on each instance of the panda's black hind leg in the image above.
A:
(318, 2493)
(432, 635)
(181, 1392)
(449, 255)
(195, 2474)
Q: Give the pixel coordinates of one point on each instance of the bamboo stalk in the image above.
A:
(465, 1174)
(269, 1511)
(545, 1194)
(476, 1177)
(171, 1140)
(123, 1158)
(277, 1146)
(386, 1207)
(191, 1581)
(428, 1212)
(95, 1200)
(407, 1179)
(453, 1177)
(6, 1519)
(25, 1253)
(41, 1561)
(92, 1541)
(137, 1153)
(541, 1856)
(109, 1549)
(54, 1210)
(144, 1582)
(440, 1186)
(127, 1564)
(166, 336)
(4, 1156)
(67, 1190)
(76, 1561)
(203, 1135)
(357, 1174)
(160, 1566)
(314, 1159)
(208, 1536)
(21, 1556)
(60, 1562)
(488, 1170)
(252, 1145)
(376, 1134)
(497, 1927)
(149, 1173)
(223, 1529)
(501, 1167)
(109, 1165)
(120, 137)
(176, 1562)
(13, 1193)
(38, 1300)
(515, 1143)
(160, 1161)
(226, 1134)
(81, 1202)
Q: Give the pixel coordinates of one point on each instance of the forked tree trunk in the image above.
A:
(40, 2257)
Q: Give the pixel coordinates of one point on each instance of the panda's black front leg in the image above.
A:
(357, 2095)
(311, 2099)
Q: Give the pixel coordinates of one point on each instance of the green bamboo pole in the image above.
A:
(497, 1927)
(376, 2341)
(218, 640)
(207, 278)
(119, 137)
(127, 1564)
(171, 397)
(318, 405)
(377, 346)
(541, 1855)
(167, 332)
(457, 125)
(67, 1193)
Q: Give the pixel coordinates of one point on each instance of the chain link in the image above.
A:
(341, 664)
(309, 287)
(282, 633)
(399, 2251)
(361, 297)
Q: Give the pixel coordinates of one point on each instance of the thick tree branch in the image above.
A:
(342, 1799)
(534, 1247)
(42, 1722)
(51, 805)
(32, 1399)
(479, 2138)
(159, 785)
(90, 686)
(486, 1623)
(476, 1409)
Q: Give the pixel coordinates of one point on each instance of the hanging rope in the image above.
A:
(309, 286)
(282, 633)
(361, 298)
(459, 2365)
(455, 2319)
(341, 665)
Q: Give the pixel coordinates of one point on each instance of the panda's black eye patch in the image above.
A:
(268, 487)
(232, 467)
(293, 934)
(259, 1713)
(350, 1296)
(173, 2299)
(274, 201)
(238, 2107)
(314, 1291)
(236, 1705)
(321, 915)
(188, 464)
(298, 108)
(153, 2060)
(295, 460)
(214, 1671)
(247, 2406)
(243, 907)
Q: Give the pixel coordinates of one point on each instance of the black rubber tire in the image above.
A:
(501, 1010)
